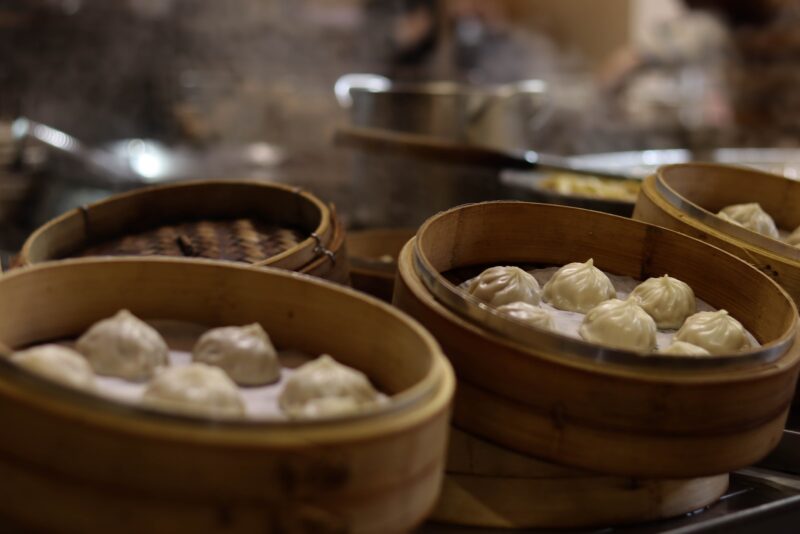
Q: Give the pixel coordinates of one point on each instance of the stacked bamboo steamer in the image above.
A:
(617, 422)
(74, 460)
(686, 198)
(260, 223)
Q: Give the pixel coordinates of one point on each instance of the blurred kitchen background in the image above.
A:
(101, 96)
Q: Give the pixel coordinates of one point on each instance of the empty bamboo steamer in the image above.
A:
(95, 465)
(686, 198)
(492, 487)
(260, 223)
(373, 259)
(641, 421)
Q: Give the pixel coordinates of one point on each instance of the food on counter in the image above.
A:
(57, 363)
(667, 300)
(528, 314)
(717, 332)
(621, 324)
(682, 348)
(504, 285)
(324, 387)
(751, 216)
(578, 287)
(592, 186)
(246, 353)
(197, 389)
(123, 346)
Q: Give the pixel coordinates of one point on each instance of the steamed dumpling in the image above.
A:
(324, 387)
(682, 348)
(197, 389)
(717, 332)
(57, 363)
(528, 314)
(244, 352)
(504, 285)
(578, 287)
(123, 346)
(751, 216)
(668, 300)
(621, 324)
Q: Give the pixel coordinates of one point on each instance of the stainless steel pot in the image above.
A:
(400, 191)
(504, 116)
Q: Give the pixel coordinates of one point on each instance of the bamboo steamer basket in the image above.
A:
(601, 409)
(317, 249)
(101, 466)
(492, 487)
(373, 259)
(687, 197)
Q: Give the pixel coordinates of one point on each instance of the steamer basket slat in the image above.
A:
(643, 421)
(378, 472)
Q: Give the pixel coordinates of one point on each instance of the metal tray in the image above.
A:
(758, 501)
(527, 185)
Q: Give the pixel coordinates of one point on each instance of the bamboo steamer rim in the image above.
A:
(384, 239)
(700, 377)
(431, 395)
(295, 257)
(715, 225)
(564, 349)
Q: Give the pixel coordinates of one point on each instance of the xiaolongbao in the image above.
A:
(621, 324)
(57, 363)
(244, 352)
(324, 387)
(532, 315)
(717, 332)
(682, 348)
(197, 389)
(668, 300)
(752, 217)
(504, 285)
(578, 287)
(123, 346)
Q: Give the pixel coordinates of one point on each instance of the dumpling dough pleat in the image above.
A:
(578, 287)
(324, 387)
(196, 389)
(504, 285)
(123, 346)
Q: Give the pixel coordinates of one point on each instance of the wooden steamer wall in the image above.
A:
(630, 423)
(100, 466)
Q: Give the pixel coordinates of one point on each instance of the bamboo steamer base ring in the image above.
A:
(492, 487)
(517, 405)
(508, 502)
